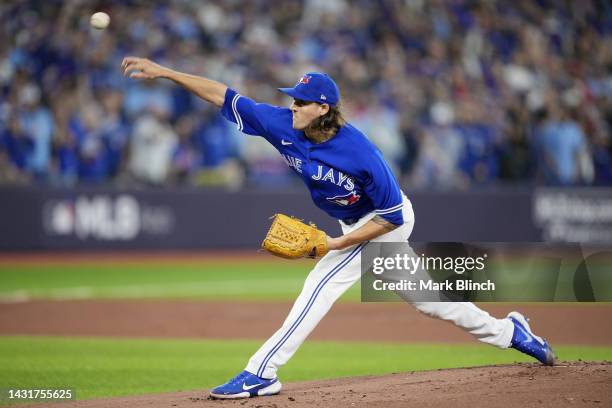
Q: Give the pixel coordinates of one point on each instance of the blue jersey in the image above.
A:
(346, 175)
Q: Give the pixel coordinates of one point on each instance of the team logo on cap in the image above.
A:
(304, 80)
(347, 199)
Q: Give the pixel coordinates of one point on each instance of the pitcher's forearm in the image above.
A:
(143, 68)
(370, 230)
(207, 89)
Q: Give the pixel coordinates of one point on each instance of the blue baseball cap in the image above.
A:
(315, 87)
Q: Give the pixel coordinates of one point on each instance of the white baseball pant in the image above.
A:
(333, 275)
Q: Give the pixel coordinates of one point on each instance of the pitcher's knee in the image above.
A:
(429, 308)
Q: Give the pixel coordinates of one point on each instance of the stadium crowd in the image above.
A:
(455, 93)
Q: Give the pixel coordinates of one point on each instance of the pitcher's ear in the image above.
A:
(325, 108)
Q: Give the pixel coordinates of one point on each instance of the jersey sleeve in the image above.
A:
(384, 190)
(249, 116)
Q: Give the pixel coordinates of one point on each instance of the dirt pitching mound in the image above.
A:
(521, 385)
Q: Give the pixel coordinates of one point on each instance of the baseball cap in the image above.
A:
(315, 87)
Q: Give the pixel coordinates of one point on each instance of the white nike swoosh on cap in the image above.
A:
(248, 387)
(284, 143)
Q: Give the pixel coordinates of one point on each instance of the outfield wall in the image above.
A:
(102, 218)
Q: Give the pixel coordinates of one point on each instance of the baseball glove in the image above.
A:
(290, 238)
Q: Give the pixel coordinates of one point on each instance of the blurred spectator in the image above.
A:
(37, 122)
(17, 147)
(115, 132)
(382, 124)
(86, 129)
(451, 91)
(185, 155)
(564, 154)
(517, 159)
(66, 159)
(440, 152)
(153, 143)
(602, 161)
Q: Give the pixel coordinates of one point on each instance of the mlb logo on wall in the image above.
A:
(347, 199)
(304, 80)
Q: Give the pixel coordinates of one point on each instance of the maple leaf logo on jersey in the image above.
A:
(347, 199)
(304, 80)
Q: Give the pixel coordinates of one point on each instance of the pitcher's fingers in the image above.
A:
(127, 69)
(139, 75)
(132, 66)
(129, 59)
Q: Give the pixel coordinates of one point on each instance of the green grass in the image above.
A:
(97, 367)
(272, 281)
(258, 280)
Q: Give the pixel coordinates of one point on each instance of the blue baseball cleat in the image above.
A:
(246, 385)
(526, 342)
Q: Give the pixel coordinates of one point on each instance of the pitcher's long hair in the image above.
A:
(331, 122)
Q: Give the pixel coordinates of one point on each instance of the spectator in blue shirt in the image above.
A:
(18, 146)
(563, 149)
(37, 121)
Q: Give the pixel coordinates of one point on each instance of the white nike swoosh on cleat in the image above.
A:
(248, 387)
(285, 143)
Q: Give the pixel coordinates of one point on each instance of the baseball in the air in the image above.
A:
(99, 20)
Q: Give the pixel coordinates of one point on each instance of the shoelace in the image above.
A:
(238, 379)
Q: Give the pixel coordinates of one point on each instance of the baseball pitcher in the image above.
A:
(349, 179)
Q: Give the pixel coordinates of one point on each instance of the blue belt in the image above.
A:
(350, 221)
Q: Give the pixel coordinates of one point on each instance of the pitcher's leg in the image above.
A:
(466, 315)
(479, 323)
(330, 278)
(512, 331)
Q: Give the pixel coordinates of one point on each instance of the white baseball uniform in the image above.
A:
(337, 272)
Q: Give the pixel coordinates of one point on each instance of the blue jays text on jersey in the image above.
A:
(346, 175)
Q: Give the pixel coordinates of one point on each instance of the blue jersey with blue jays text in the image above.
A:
(346, 175)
